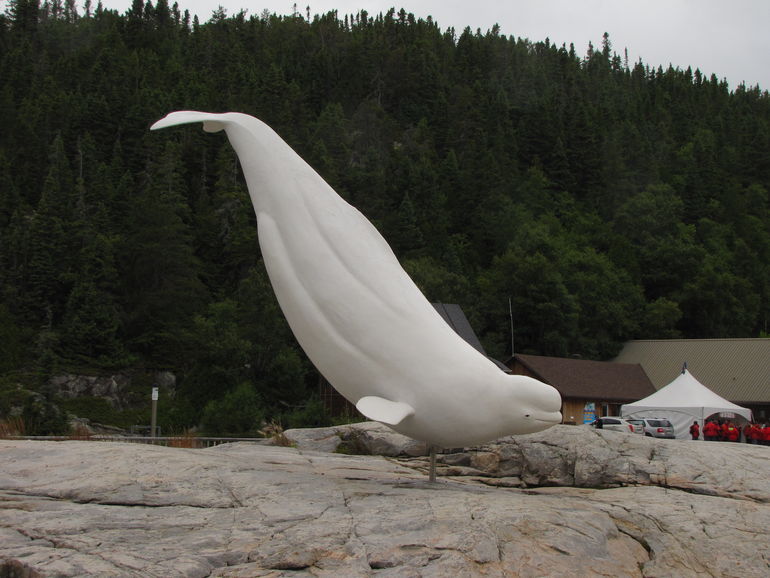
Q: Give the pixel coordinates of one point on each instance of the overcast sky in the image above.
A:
(728, 38)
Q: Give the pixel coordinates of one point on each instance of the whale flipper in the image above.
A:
(384, 410)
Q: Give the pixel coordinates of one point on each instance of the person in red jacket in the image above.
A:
(733, 434)
(711, 431)
(695, 430)
(752, 433)
(766, 435)
(748, 433)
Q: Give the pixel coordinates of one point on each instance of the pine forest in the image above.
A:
(579, 198)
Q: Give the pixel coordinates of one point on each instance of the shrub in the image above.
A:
(311, 414)
(239, 413)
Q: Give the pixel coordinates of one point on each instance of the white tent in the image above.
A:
(683, 401)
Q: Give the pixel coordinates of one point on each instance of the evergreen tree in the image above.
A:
(48, 262)
(163, 289)
(12, 337)
(24, 15)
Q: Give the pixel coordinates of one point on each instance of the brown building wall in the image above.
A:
(573, 409)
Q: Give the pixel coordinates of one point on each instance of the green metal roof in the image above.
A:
(736, 369)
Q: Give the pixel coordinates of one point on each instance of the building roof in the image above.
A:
(736, 369)
(586, 379)
(454, 316)
(456, 319)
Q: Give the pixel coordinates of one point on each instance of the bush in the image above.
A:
(311, 414)
(99, 410)
(96, 409)
(13, 395)
(239, 413)
(43, 418)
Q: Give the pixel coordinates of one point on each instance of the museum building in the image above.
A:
(588, 388)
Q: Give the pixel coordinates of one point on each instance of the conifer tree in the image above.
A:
(162, 289)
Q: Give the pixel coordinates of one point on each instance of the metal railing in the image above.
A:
(167, 441)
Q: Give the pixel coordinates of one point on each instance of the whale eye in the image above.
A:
(526, 415)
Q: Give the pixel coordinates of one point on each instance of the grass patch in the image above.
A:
(12, 426)
(274, 430)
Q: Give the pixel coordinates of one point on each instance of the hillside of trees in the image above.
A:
(605, 200)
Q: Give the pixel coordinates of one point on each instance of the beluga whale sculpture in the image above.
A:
(357, 314)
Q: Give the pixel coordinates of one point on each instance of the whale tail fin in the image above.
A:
(212, 122)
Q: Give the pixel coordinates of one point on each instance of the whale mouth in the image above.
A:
(548, 417)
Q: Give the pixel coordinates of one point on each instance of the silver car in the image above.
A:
(611, 422)
(658, 427)
(638, 425)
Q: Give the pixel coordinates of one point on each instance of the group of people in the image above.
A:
(727, 431)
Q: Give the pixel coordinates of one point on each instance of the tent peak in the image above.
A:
(683, 400)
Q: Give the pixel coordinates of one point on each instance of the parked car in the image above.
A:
(658, 427)
(614, 423)
(638, 425)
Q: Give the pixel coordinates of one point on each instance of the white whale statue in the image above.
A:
(359, 317)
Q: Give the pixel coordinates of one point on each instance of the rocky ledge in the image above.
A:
(568, 501)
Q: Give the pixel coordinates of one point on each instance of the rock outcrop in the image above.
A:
(116, 389)
(366, 438)
(568, 501)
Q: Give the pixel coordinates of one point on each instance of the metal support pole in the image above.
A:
(153, 428)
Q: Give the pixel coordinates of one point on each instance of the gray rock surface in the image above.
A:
(367, 438)
(587, 504)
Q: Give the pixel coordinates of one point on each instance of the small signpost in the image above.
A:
(154, 412)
